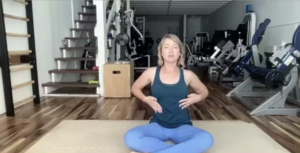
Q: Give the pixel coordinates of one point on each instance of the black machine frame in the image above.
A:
(5, 65)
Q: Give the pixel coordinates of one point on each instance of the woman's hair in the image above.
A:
(173, 37)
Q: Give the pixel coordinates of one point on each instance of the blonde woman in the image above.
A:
(170, 100)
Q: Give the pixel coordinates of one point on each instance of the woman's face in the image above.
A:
(170, 51)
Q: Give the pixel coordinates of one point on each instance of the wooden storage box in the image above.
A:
(118, 79)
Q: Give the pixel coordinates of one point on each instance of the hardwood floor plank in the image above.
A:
(139, 115)
(294, 119)
(238, 114)
(287, 127)
(192, 112)
(281, 140)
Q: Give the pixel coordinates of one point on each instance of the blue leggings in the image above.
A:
(151, 138)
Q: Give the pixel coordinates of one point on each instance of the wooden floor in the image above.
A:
(32, 122)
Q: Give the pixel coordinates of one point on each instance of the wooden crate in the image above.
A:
(118, 79)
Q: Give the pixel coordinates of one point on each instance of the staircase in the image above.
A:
(69, 78)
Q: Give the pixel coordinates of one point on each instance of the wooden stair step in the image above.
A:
(16, 17)
(78, 38)
(70, 84)
(89, 7)
(74, 48)
(83, 13)
(75, 59)
(82, 29)
(86, 21)
(81, 71)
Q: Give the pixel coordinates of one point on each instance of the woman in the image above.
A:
(170, 100)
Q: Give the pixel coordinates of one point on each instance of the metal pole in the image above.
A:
(32, 56)
(128, 27)
(4, 64)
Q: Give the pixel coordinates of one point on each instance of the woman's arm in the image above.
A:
(197, 85)
(141, 82)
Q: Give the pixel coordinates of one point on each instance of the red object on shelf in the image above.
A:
(95, 68)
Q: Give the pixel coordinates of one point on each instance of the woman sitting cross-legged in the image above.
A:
(170, 100)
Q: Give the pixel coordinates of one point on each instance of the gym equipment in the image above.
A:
(253, 52)
(280, 81)
(220, 50)
(95, 68)
(232, 73)
(200, 38)
(123, 39)
(294, 95)
(140, 21)
(238, 52)
(129, 46)
(93, 82)
(88, 64)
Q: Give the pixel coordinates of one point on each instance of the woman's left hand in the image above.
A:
(191, 99)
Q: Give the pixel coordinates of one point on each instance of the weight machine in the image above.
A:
(280, 81)
(244, 33)
(129, 45)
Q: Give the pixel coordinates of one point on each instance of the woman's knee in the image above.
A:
(205, 139)
(132, 138)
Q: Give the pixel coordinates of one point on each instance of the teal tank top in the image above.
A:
(168, 96)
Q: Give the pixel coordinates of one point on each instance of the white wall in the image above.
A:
(284, 17)
(76, 6)
(44, 44)
(193, 26)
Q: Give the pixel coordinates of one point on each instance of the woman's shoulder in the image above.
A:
(150, 70)
(188, 74)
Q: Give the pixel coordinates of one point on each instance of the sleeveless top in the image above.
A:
(168, 96)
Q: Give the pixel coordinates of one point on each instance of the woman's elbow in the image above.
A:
(205, 92)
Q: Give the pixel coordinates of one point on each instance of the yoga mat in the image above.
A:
(107, 136)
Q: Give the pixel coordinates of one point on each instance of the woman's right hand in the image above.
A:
(152, 102)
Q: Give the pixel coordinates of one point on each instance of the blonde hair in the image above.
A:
(173, 37)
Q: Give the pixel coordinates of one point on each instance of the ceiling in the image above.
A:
(176, 7)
